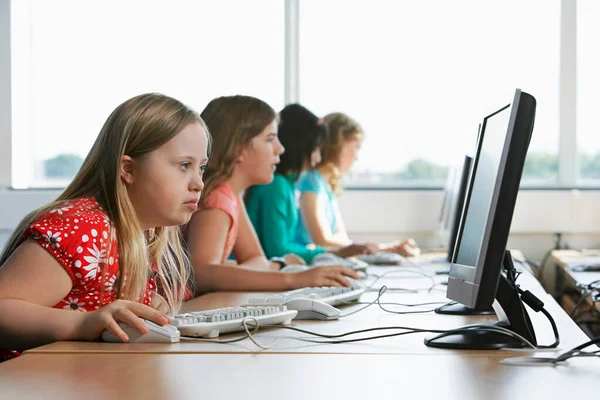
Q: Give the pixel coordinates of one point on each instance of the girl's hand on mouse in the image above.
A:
(108, 317)
(324, 276)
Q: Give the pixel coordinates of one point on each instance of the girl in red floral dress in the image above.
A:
(95, 255)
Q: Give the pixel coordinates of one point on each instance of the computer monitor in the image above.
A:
(459, 192)
(475, 278)
(452, 206)
(449, 188)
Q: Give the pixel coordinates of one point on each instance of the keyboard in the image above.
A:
(382, 258)
(328, 259)
(330, 295)
(211, 323)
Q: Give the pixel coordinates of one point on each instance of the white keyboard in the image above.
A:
(328, 259)
(211, 323)
(382, 258)
(330, 295)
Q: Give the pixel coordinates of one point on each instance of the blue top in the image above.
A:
(312, 181)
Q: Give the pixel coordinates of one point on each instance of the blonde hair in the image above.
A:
(135, 128)
(233, 122)
(341, 128)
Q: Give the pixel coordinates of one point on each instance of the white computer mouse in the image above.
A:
(294, 268)
(312, 309)
(156, 334)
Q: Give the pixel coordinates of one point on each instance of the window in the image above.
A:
(588, 87)
(420, 75)
(85, 58)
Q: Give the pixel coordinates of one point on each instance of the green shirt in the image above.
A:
(274, 213)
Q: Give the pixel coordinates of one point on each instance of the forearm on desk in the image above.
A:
(258, 263)
(225, 277)
(25, 325)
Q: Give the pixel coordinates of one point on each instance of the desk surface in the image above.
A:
(371, 317)
(387, 368)
(565, 259)
(287, 376)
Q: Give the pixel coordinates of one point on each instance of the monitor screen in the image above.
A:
(452, 204)
(457, 206)
(449, 188)
(491, 196)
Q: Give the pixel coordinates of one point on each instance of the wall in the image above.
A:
(382, 215)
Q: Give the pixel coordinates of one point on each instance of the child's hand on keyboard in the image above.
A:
(324, 276)
(108, 317)
(354, 250)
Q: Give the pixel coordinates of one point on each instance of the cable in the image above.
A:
(528, 298)
(573, 353)
(382, 290)
(396, 270)
(554, 329)
(408, 330)
(579, 304)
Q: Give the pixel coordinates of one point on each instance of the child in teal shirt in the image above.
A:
(273, 208)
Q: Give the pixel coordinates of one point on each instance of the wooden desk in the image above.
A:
(400, 367)
(371, 317)
(290, 377)
(560, 280)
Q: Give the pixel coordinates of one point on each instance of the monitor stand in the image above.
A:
(459, 309)
(512, 315)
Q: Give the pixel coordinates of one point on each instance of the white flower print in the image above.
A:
(97, 257)
(60, 210)
(110, 283)
(52, 238)
(74, 304)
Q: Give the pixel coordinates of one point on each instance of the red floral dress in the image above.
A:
(76, 235)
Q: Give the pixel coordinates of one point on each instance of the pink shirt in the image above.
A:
(223, 198)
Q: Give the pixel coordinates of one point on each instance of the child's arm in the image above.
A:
(313, 214)
(31, 282)
(207, 233)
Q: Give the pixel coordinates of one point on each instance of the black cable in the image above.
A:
(531, 300)
(410, 331)
(554, 329)
(406, 305)
(577, 351)
(579, 303)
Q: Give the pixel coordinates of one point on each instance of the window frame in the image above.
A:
(14, 138)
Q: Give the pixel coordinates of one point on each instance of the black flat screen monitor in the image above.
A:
(485, 222)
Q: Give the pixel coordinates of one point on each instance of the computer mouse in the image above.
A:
(156, 334)
(312, 309)
(294, 268)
